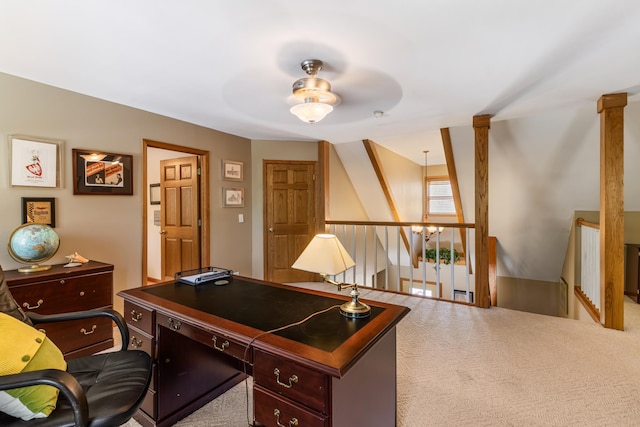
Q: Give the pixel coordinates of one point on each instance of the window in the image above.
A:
(440, 197)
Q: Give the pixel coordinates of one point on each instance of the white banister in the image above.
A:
(369, 242)
(590, 264)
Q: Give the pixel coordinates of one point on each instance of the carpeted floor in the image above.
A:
(464, 366)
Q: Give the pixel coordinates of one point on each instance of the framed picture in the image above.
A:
(233, 197)
(232, 171)
(462, 296)
(39, 210)
(97, 172)
(35, 162)
(154, 194)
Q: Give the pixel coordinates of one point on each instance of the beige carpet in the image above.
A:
(464, 366)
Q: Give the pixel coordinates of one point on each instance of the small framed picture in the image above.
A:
(232, 171)
(39, 210)
(35, 162)
(97, 172)
(154, 194)
(233, 197)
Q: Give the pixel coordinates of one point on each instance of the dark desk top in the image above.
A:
(268, 307)
(246, 308)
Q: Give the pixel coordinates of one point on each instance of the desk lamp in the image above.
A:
(326, 255)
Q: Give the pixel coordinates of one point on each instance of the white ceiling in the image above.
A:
(229, 65)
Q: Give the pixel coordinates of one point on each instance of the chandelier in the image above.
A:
(315, 94)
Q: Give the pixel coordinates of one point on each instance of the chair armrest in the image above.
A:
(63, 381)
(87, 314)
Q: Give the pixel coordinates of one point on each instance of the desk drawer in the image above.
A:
(215, 340)
(139, 340)
(272, 410)
(289, 379)
(140, 317)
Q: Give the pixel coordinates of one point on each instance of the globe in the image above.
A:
(33, 244)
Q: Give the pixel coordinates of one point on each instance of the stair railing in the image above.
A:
(432, 259)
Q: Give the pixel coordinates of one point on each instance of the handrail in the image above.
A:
(582, 221)
(402, 223)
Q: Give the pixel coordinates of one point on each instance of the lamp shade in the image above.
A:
(325, 255)
(311, 112)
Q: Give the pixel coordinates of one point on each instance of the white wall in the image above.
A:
(541, 170)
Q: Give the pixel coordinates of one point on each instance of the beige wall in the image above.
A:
(109, 228)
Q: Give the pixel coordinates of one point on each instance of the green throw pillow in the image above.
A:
(22, 349)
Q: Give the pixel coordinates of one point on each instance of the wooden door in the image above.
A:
(290, 220)
(179, 215)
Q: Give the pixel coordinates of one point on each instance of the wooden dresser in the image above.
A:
(62, 290)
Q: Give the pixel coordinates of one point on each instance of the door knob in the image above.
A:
(270, 229)
(163, 231)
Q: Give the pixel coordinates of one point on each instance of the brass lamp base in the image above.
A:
(355, 309)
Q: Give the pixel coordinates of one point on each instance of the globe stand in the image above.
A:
(34, 268)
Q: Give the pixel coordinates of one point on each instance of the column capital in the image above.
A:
(612, 100)
(482, 121)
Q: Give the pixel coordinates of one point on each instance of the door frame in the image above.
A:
(205, 230)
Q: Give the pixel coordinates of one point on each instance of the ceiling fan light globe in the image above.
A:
(311, 112)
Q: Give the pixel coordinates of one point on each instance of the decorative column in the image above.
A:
(611, 110)
(481, 126)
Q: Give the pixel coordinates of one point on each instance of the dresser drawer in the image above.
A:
(215, 340)
(140, 317)
(65, 294)
(272, 410)
(289, 379)
(75, 334)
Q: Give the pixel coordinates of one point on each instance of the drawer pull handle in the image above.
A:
(28, 307)
(174, 324)
(276, 413)
(135, 316)
(225, 344)
(135, 342)
(292, 379)
(84, 331)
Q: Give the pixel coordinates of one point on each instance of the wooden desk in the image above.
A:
(328, 371)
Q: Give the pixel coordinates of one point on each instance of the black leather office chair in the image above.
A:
(99, 390)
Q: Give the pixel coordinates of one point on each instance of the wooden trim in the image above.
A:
(481, 126)
(322, 185)
(384, 184)
(493, 271)
(453, 179)
(205, 209)
(611, 110)
(401, 223)
(584, 223)
(587, 304)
